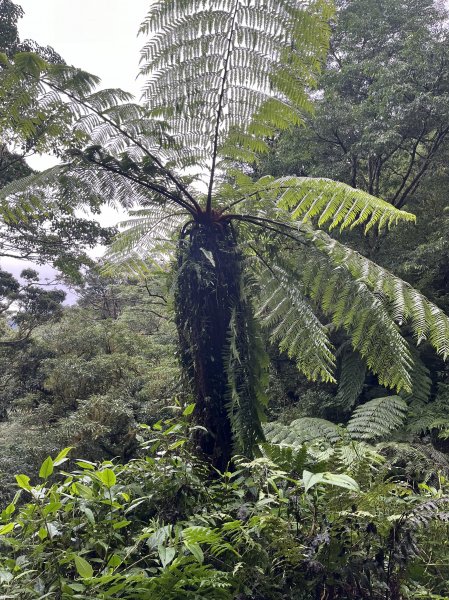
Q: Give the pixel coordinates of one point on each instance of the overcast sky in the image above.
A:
(99, 36)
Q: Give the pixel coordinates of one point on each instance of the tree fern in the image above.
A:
(221, 78)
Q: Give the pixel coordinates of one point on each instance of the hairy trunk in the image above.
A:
(214, 326)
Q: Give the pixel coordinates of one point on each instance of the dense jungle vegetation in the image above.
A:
(249, 398)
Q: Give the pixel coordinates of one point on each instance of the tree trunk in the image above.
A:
(209, 299)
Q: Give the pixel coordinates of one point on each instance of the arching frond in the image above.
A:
(322, 201)
(294, 325)
(421, 382)
(336, 204)
(302, 430)
(351, 306)
(405, 304)
(148, 238)
(416, 461)
(351, 379)
(377, 418)
(356, 457)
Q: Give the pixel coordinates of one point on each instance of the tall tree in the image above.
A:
(34, 228)
(223, 77)
(381, 122)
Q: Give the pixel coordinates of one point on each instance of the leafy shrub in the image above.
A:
(164, 526)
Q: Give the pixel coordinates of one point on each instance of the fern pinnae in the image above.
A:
(289, 316)
(427, 321)
(351, 378)
(377, 418)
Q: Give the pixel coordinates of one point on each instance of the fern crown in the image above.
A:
(222, 77)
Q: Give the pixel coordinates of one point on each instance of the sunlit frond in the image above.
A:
(226, 67)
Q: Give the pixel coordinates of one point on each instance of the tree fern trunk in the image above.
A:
(208, 297)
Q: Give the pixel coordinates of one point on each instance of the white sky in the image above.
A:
(99, 36)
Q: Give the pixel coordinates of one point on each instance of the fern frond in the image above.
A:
(351, 379)
(418, 461)
(421, 382)
(357, 456)
(354, 308)
(405, 304)
(328, 203)
(288, 458)
(302, 430)
(246, 365)
(222, 66)
(294, 325)
(148, 241)
(377, 418)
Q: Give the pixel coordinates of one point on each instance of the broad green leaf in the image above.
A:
(53, 530)
(51, 508)
(189, 409)
(47, 468)
(77, 587)
(62, 456)
(82, 490)
(23, 481)
(5, 576)
(8, 511)
(341, 480)
(114, 561)
(107, 476)
(166, 554)
(337, 479)
(195, 549)
(85, 464)
(177, 444)
(83, 567)
(121, 524)
(89, 514)
(7, 528)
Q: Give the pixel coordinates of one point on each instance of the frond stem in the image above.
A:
(154, 158)
(150, 186)
(262, 222)
(220, 107)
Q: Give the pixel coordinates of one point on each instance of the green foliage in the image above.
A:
(333, 201)
(374, 420)
(351, 378)
(377, 418)
(88, 378)
(227, 76)
(277, 528)
(222, 78)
